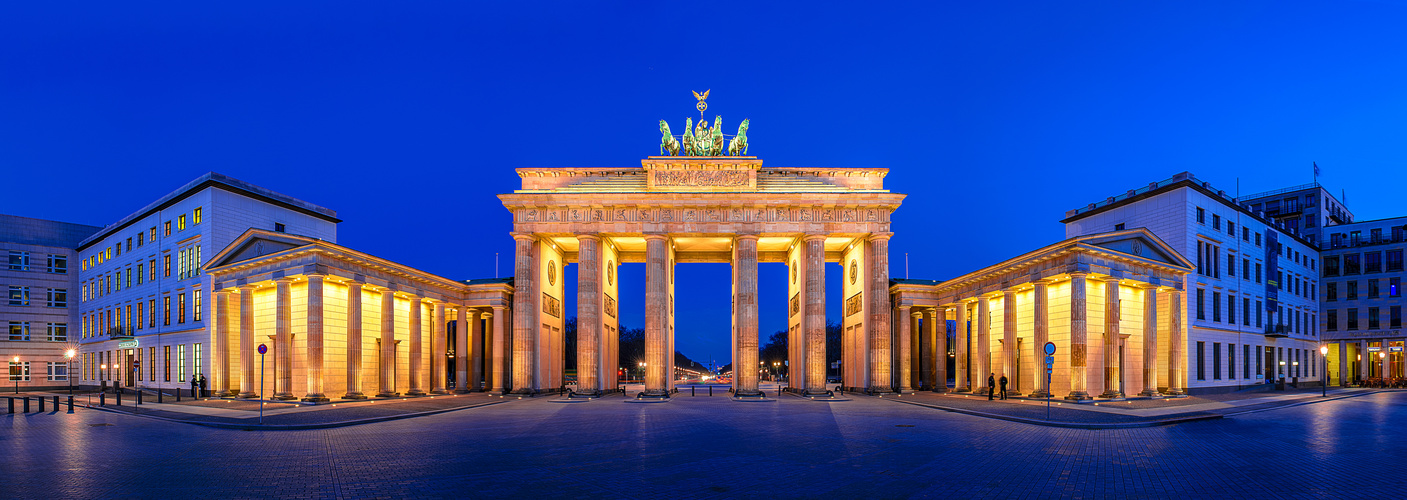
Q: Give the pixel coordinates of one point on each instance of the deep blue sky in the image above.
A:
(995, 117)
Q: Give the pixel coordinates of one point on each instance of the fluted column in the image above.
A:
(962, 380)
(222, 344)
(1150, 341)
(983, 369)
(588, 315)
(497, 334)
(906, 335)
(880, 365)
(465, 352)
(1176, 360)
(1112, 312)
(283, 340)
(439, 347)
(416, 354)
(814, 321)
(386, 368)
(525, 321)
(1365, 361)
(1343, 364)
(929, 346)
(354, 342)
(1079, 334)
(1009, 350)
(314, 331)
(746, 364)
(915, 375)
(939, 332)
(1040, 309)
(246, 342)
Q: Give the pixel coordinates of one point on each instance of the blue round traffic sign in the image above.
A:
(1049, 349)
(264, 349)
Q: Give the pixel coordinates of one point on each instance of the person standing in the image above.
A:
(991, 385)
(205, 393)
(1003, 382)
(195, 385)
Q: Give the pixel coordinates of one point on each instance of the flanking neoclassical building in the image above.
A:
(1111, 303)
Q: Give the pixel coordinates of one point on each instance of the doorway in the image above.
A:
(130, 369)
(1123, 373)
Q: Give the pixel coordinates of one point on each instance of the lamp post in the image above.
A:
(68, 370)
(1324, 377)
(1382, 367)
(14, 376)
(102, 374)
(642, 370)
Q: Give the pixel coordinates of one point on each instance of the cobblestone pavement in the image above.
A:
(700, 447)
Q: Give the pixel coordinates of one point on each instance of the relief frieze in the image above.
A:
(853, 304)
(706, 178)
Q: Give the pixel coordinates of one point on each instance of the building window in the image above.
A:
(58, 264)
(1394, 317)
(1373, 289)
(1394, 287)
(180, 308)
(1245, 361)
(181, 222)
(1258, 272)
(1375, 236)
(1372, 262)
(19, 261)
(1216, 222)
(196, 215)
(58, 297)
(1201, 349)
(1246, 312)
(20, 375)
(1231, 229)
(151, 363)
(166, 310)
(141, 238)
(196, 305)
(1355, 238)
(1230, 265)
(1216, 306)
(151, 320)
(1394, 260)
(166, 231)
(195, 359)
(1352, 318)
(1260, 366)
(57, 371)
(1246, 268)
(166, 265)
(19, 331)
(1331, 266)
(141, 314)
(1231, 361)
(279, 227)
(1373, 318)
(1231, 309)
(166, 357)
(1245, 234)
(19, 295)
(1353, 290)
(152, 238)
(1119, 226)
(1331, 320)
(151, 270)
(140, 272)
(1216, 360)
(1257, 238)
(181, 363)
(1201, 216)
(1201, 299)
(1259, 311)
(1331, 292)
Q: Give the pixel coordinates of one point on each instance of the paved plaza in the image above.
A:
(693, 447)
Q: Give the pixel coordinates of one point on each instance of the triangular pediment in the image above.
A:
(1139, 243)
(256, 243)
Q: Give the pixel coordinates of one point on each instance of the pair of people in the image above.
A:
(198, 384)
(992, 385)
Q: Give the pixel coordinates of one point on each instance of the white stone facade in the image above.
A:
(39, 309)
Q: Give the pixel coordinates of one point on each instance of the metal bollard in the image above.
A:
(119, 397)
(12, 404)
(70, 404)
(41, 404)
(710, 391)
(139, 397)
(102, 399)
(178, 394)
(56, 403)
(691, 390)
(158, 395)
(26, 404)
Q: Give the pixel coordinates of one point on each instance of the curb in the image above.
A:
(296, 427)
(1067, 425)
(1306, 401)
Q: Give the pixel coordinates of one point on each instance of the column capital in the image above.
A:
(746, 236)
(588, 236)
(814, 236)
(905, 307)
(517, 236)
(656, 236)
(915, 313)
(879, 236)
(1147, 286)
(1078, 274)
(285, 279)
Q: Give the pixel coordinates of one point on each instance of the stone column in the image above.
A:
(962, 380)
(1112, 312)
(982, 368)
(880, 365)
(1079, 335)
(416, 354)
(439, 350)
(1040, 317)
(916, 350)
(745, 360)
(222, 344)
(283, 340)
(498, 334)
(906, 334)
(1176, 359)
(814, 322)
(1150, 341)
(354, 342)
(386, 368)
(467, 355)
(939, 332)
(1343, 364)
(314, 331)
(930, 351)
(1365, 361)
(525, 321)
(588, 315)
(1010, 365)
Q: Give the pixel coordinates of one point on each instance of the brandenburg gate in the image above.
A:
(699, 208)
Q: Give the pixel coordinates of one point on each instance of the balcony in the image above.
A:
(117, 333)
(1277, 331)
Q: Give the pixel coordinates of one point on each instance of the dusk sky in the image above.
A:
(407, 119)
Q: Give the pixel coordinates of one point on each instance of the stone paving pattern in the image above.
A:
(715, 448)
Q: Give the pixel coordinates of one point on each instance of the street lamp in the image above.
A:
(1324, 377)
(102, 374)
(68, 370)
(14, 374)
(642, 370)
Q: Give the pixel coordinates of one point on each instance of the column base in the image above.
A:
(748, 394)
(817, 392)
(963, 389)
(1038, 394)
(1078, 396)
(415, 393)
(589, 394)
(354, 395)
(287, 396)
(224, 394)
(879, 389)
(658, 394)
(315, 398)
(1112, 395)
(1150, 393)
(387, 394)
(1176, 392)
(248, 395)
(439, 392)
(982, 391)
(461, 391)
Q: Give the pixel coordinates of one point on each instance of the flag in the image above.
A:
(1316, 170)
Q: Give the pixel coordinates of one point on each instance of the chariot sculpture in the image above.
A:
(702, 139)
